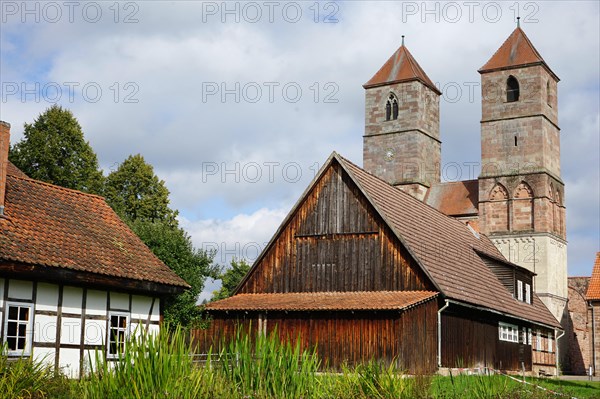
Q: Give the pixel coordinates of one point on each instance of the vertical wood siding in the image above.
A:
(470, 339)
(408, 338)
(335, 241)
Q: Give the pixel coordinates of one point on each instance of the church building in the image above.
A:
(387, 261)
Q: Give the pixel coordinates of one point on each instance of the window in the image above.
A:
(508, 332)
(519, 290)
(528, 293)
(549, 342)
(548, 99)
(391, 108)
(18, 328)
(117, 334)
(512, 89)
(529, 337)
(538, 340)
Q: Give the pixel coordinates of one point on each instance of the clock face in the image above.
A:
(389, 154)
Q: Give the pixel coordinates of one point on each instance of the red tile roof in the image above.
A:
(593, 292)
(14, 171)
(516, 51)
(400, 67)
(446, 249)
(55, 227)
(455, 198)
(324, 301)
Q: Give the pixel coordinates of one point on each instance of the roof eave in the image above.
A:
(416, 79)
(484, 70)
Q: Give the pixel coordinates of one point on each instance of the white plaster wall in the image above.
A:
(69, 362)
(1, 300)
(72, 297)
(96, 302)
(45, 325)
(44, 328)
(95, 332)
(140, 306)
(119, 301)
(19, 289)
(47, 297)
(70, 331)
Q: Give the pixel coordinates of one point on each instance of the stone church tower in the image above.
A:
(521, 195)
(518, 200)
(402, 125)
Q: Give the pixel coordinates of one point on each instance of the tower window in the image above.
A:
(548, 93)
(388, 111)
(516, 141)
(391, 108)
(512, 89)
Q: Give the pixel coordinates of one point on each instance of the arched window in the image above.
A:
(388, 110)
(522, 207)
(391, 108)
(496, 215)
(512, 89)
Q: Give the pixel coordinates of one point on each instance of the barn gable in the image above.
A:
(334, 240)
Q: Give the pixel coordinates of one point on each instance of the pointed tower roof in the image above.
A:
(516, 51)
(401, 67)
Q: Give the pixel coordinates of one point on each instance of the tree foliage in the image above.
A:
(230, 278)
(136, 193)
(174, 247)
(54, 150)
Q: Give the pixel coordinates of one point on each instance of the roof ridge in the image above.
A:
(57, 187)
(404, 192)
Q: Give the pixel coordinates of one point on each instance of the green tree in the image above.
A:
(173, 246)
(54, 150)
(230, 278)
(135, 192)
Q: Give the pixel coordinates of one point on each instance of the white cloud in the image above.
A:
(176, 47)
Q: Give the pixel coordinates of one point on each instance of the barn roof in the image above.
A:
(61, 229)
(325, 301)
(593, 291)
(445, 248)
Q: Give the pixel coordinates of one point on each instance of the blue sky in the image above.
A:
(237, 104)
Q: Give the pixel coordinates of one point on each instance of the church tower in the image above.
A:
(521, 194)
(402, 125)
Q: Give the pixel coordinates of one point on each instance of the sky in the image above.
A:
(238, 104)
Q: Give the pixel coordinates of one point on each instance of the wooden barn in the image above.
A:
(360, 269)
(73, 277)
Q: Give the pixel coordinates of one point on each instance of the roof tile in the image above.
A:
(52, 226)
(400, 67)
(324, 301)
(593, 292)
(446, 248)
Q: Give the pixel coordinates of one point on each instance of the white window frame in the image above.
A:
(538, 343)
(109, 354)
(508, 332)
(26, 351)
(550, 342)
(520, 290)
(529, 337)
(528, 293)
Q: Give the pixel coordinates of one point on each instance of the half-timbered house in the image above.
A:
(389, 262)
(74, 279)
